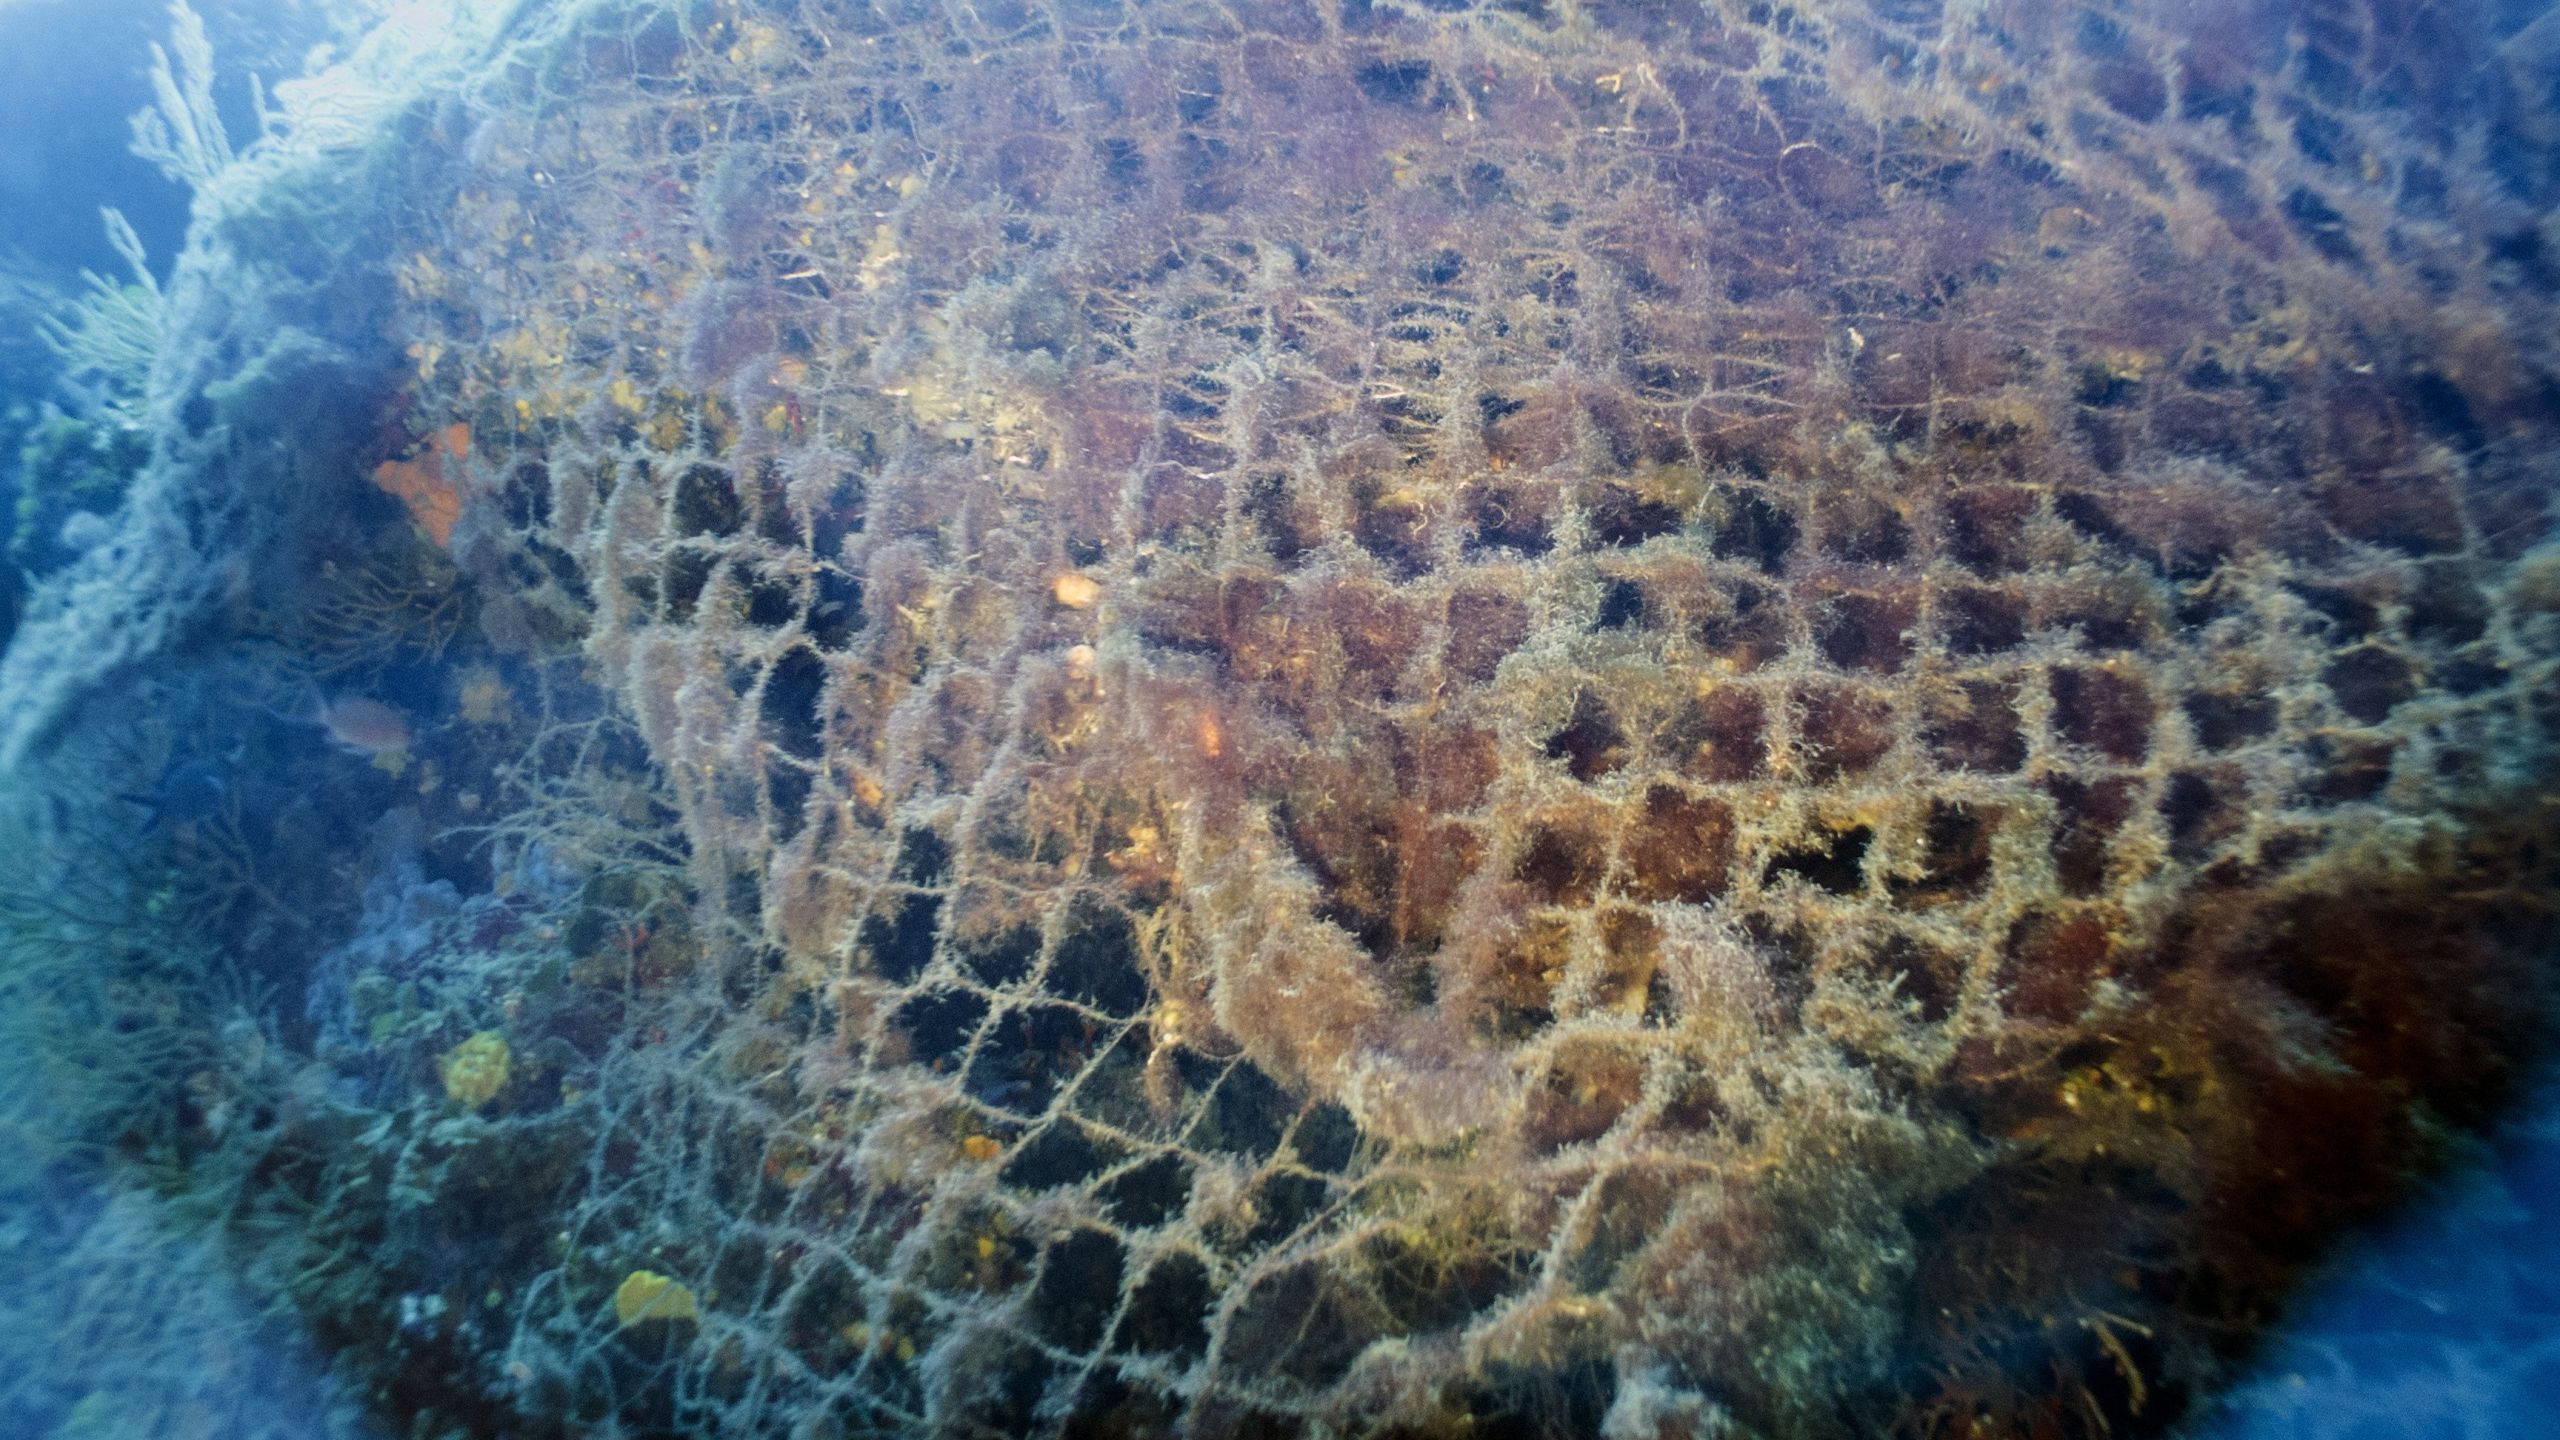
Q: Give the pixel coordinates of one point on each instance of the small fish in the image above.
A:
(363, 727)
(191, 789)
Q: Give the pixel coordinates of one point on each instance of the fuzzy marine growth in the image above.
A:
(1709, 720)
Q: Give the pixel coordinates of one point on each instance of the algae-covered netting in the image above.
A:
(1657, 719)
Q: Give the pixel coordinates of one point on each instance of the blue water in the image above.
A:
(2444, 1326)
(70, 72)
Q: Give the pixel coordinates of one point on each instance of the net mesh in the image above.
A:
(1699, 718)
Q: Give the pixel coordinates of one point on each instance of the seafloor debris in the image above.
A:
(1589, 718)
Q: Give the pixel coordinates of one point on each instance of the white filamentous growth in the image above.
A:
(181, 130)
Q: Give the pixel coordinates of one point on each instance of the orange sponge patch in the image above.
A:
(430, 482)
